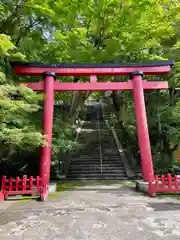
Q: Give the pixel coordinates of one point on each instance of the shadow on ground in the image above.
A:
(165, 206)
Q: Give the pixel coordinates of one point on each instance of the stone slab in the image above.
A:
(52, 187)
(142, 186)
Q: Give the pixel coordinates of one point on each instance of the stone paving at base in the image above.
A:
(100, 212)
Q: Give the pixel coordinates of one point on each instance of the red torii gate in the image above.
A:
(136, 83)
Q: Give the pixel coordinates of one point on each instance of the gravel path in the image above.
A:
(101, 212)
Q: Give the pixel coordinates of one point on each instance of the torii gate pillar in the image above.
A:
(142, 126)
(45, 152)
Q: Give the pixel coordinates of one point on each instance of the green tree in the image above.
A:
(99, 31)
(17, 103)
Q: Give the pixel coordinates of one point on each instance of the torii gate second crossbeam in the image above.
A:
(136, 83)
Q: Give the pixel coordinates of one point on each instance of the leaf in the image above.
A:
(5, 43)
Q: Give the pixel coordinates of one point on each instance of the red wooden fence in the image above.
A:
(22, 186)
(164, 184)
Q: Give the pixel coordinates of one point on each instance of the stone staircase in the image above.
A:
(87, 164)
(112, 163)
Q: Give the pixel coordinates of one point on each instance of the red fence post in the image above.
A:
(10, 184)
(24, 183)
(2, 193)
(176, 182)
(30, 182)
(3, 183)
(162, 180)
(169, 178)
(37, 184)
(151, 190)
(17, 183)
(156, 180)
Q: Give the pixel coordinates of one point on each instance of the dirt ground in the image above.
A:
(92, 212)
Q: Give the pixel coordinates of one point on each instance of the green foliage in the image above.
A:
(63, 136)
(5, 44)
(87, 31)
(16, 104)
(113, 31)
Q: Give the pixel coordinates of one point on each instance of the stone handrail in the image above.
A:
(129, 172)
(127, 167)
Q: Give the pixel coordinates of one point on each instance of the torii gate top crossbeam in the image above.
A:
(37, 69)
(97, 86)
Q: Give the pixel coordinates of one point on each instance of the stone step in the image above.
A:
(85, 175)
(92, 155)
(110, 154)
(111, 157)
(86, 160)
(105, 161)
(96, 164)
(88, 156)
(97, 155)
(93, 164)
(95, 171)
(97, 178)
(87, 164)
